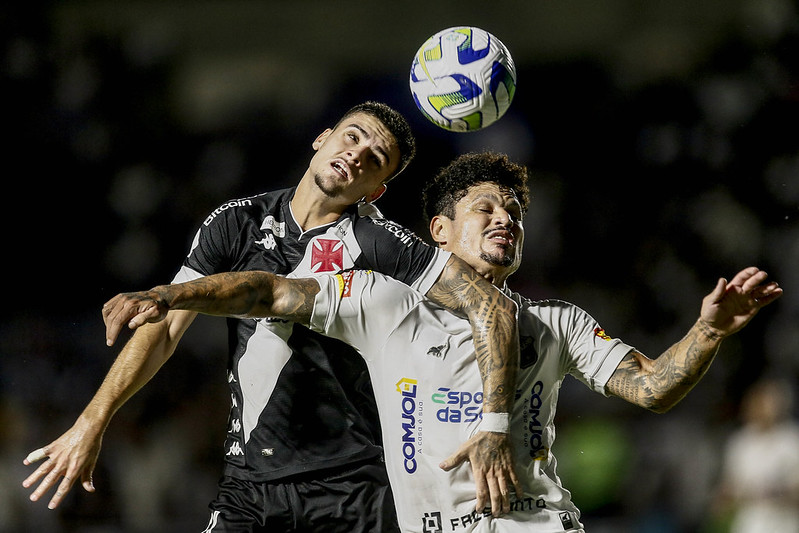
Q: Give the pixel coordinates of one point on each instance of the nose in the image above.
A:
(503, 218)
(355, 155)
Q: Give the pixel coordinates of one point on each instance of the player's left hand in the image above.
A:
(491, 457)
(733, 304)
(132, 309)
(72, 456)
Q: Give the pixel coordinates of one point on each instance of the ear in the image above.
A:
(319, 141)
(440, 229)
(377, 193)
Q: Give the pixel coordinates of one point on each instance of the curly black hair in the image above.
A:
(452, 182)
(395, 123)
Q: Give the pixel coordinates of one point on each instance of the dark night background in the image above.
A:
(662, 143)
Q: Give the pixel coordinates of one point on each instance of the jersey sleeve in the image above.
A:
(209, 252)
(355, 305)
(584, 349)
(397, 252)
(594, 355)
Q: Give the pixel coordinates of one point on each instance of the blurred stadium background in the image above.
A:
(663, 147)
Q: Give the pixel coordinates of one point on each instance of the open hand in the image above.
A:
(73, 455)
(491, 457)
(733, 304)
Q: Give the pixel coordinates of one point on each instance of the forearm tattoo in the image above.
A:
(661, 383)
(493, 319)
(247, 294)
(230, 293)
(297, 301)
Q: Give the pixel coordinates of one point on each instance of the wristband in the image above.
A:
(496, 422)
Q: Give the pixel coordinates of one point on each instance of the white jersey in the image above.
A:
(761, 468)
(429, 396)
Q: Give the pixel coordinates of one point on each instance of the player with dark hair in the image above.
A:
(302, 451)
(424, 368)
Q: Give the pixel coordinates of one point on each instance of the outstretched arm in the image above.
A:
(237, 294)
(74, 454)
(659, 384)
(262, 294)
(492, 316)
(169, 311)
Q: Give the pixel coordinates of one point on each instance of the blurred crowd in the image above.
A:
(645, 191)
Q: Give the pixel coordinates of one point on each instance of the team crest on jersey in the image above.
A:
(527, 353)
(599, 332)
(327, 255)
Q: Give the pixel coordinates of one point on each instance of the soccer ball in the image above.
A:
(463, 79)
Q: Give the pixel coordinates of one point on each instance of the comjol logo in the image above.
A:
(407, 389)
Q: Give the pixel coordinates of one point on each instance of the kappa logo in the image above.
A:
(235, 449)
(268, 241)
(327, 255)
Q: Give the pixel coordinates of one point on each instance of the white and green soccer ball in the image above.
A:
(463, 78)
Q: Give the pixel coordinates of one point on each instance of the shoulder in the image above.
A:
(544, 308)
(379, 289)
(561, 317)
(249, 206)
(383, 228)
(361, 301)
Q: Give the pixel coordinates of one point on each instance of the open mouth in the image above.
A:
(501, 237)
(341, 167)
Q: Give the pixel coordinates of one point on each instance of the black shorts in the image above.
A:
(357, 500)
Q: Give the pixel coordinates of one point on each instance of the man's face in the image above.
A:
(486, 232)
(353, 160)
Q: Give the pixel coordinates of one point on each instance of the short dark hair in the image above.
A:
(452, 182)
(395, 123)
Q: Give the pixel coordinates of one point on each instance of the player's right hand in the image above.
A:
(491, 458)
(131, 309)
(74, 454)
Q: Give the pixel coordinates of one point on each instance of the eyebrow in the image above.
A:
(514, 201)
(368, 136)
(501, 197)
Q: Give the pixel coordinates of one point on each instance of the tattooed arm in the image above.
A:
(259, 294)
(74, 454)
(252, 294)
(659, 384)
(493, 319)
(236, 294)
